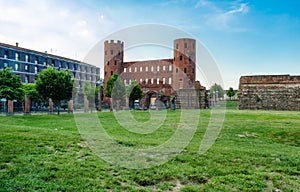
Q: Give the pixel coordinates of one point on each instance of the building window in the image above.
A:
(5, 64)
(184, 70)
(152, 81)
(141, 81)
(180, 57)
(26, 79)
(105, 73)
(157, 68)
(16, 67)
(151, 68)
(35, 69)
(59, 64)
(129, 81)
(124, 70)
(157, 81)
(170, 80)
(129, 69)
(36, 60)
(164, 68)
(141, 69)
(115, 62)
(105, 52)
(124, 81)
(170, 67)
(26, 68)
(146, 68)
(164, 80)
(53, 63)
(135, 69)
(177, 46)
(176, 70)
(111, 73)
(27, 59)
(111, 52)
(185, 45)
(146, 81)
(17, 56)
(45, 62)
(180, 80)
(6, 54)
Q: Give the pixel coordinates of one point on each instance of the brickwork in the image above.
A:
(10, 107)
(27, 104)
(269, 92)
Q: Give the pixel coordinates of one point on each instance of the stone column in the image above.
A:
(70, 106)
(127, 103)
(99, 99)
(50, 106)
(86, 105)
(10, 108)
(27, 105)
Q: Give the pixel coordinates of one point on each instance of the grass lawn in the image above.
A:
(255, 151)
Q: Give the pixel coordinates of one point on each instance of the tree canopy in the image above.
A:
(30, 89)
(54, 84)
(134, 91)
(110, 84)
(217, 89)
(230, 93)
(10, 85)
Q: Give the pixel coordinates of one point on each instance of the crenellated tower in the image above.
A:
(113, 58)
(184, 64)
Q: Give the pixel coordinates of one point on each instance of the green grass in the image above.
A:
(255, 151)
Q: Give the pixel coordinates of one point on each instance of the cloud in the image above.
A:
(42, 25)
(223, 15)
(242, 8)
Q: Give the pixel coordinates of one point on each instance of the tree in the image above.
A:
(10, 85)
(134, 92)
(30, 89)
(54, 84)
(230, 93)
(89, 93)
(118, 93)
(218, 90)
(110, 84)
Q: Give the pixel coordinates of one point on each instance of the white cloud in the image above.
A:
(45, 25)
(220, 16)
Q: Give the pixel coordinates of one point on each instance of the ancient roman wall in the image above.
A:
(269, 92)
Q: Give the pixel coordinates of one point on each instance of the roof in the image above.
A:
(41, 53)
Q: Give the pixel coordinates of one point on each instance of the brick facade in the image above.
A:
(269, 92)
(165, 76)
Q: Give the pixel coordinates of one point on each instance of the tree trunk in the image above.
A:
(58, 107)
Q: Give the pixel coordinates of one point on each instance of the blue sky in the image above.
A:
(244, 37)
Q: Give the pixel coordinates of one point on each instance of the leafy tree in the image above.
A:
(54, 84)
(30, 89)
(89, 93)
(118, 93)
(217, 89)
(134, 92)
(10, 85)
(230, 93)
(110, 84)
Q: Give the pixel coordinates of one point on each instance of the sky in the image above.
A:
(244, 37)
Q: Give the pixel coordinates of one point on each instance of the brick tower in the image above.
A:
(184, 65)
(113, 58)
